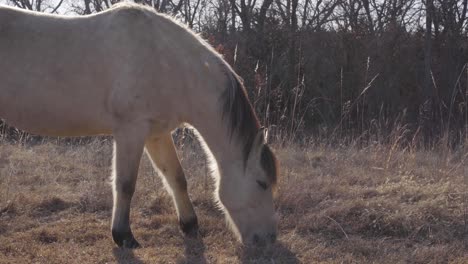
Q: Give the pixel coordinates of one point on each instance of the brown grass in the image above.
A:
(337, 205)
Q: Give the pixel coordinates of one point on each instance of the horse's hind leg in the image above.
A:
(128, 148)
(162, 152)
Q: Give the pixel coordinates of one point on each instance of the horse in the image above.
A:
(137, 75)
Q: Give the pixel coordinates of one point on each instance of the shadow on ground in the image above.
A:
(276, 253)
(124, 255)
(194, 250)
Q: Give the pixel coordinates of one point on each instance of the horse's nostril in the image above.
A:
(273, 238)
(256, 239)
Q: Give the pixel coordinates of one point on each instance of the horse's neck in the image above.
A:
(223, 145)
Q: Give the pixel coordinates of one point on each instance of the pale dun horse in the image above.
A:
(137, 75)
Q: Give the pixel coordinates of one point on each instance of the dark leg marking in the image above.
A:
(190, 228)
(125, 239)
(127, 188)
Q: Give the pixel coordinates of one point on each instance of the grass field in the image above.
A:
(378, 204)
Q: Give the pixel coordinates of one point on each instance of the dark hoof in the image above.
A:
(190, 228)
(125, 239)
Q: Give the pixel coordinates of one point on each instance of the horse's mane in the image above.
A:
(243, 123)
(239, 112)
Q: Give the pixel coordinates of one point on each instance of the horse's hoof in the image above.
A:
(131, 243)
(125, 239)
(190, 228)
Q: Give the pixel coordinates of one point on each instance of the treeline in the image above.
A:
(338, 68)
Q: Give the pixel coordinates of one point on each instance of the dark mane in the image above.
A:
(244, 124)
(239, 113)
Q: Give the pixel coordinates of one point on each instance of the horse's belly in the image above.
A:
(55, 119)
(49, 127)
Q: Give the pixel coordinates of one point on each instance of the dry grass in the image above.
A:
(371, 205)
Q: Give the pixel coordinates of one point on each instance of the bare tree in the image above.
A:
(250, 12)
(190, 9)
(315, 14)
(36, 5)
(164, 6)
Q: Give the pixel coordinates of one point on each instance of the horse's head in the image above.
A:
(247, 194)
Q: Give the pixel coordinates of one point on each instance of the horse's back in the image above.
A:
(57, 72)
(80, 75)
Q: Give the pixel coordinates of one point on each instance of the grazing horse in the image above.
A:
(137, 75)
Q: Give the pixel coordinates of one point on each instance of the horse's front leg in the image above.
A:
(163, 154)
(128, 148)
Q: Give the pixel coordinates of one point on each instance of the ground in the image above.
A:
(374, 204)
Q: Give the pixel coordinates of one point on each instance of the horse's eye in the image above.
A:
(263, 185)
